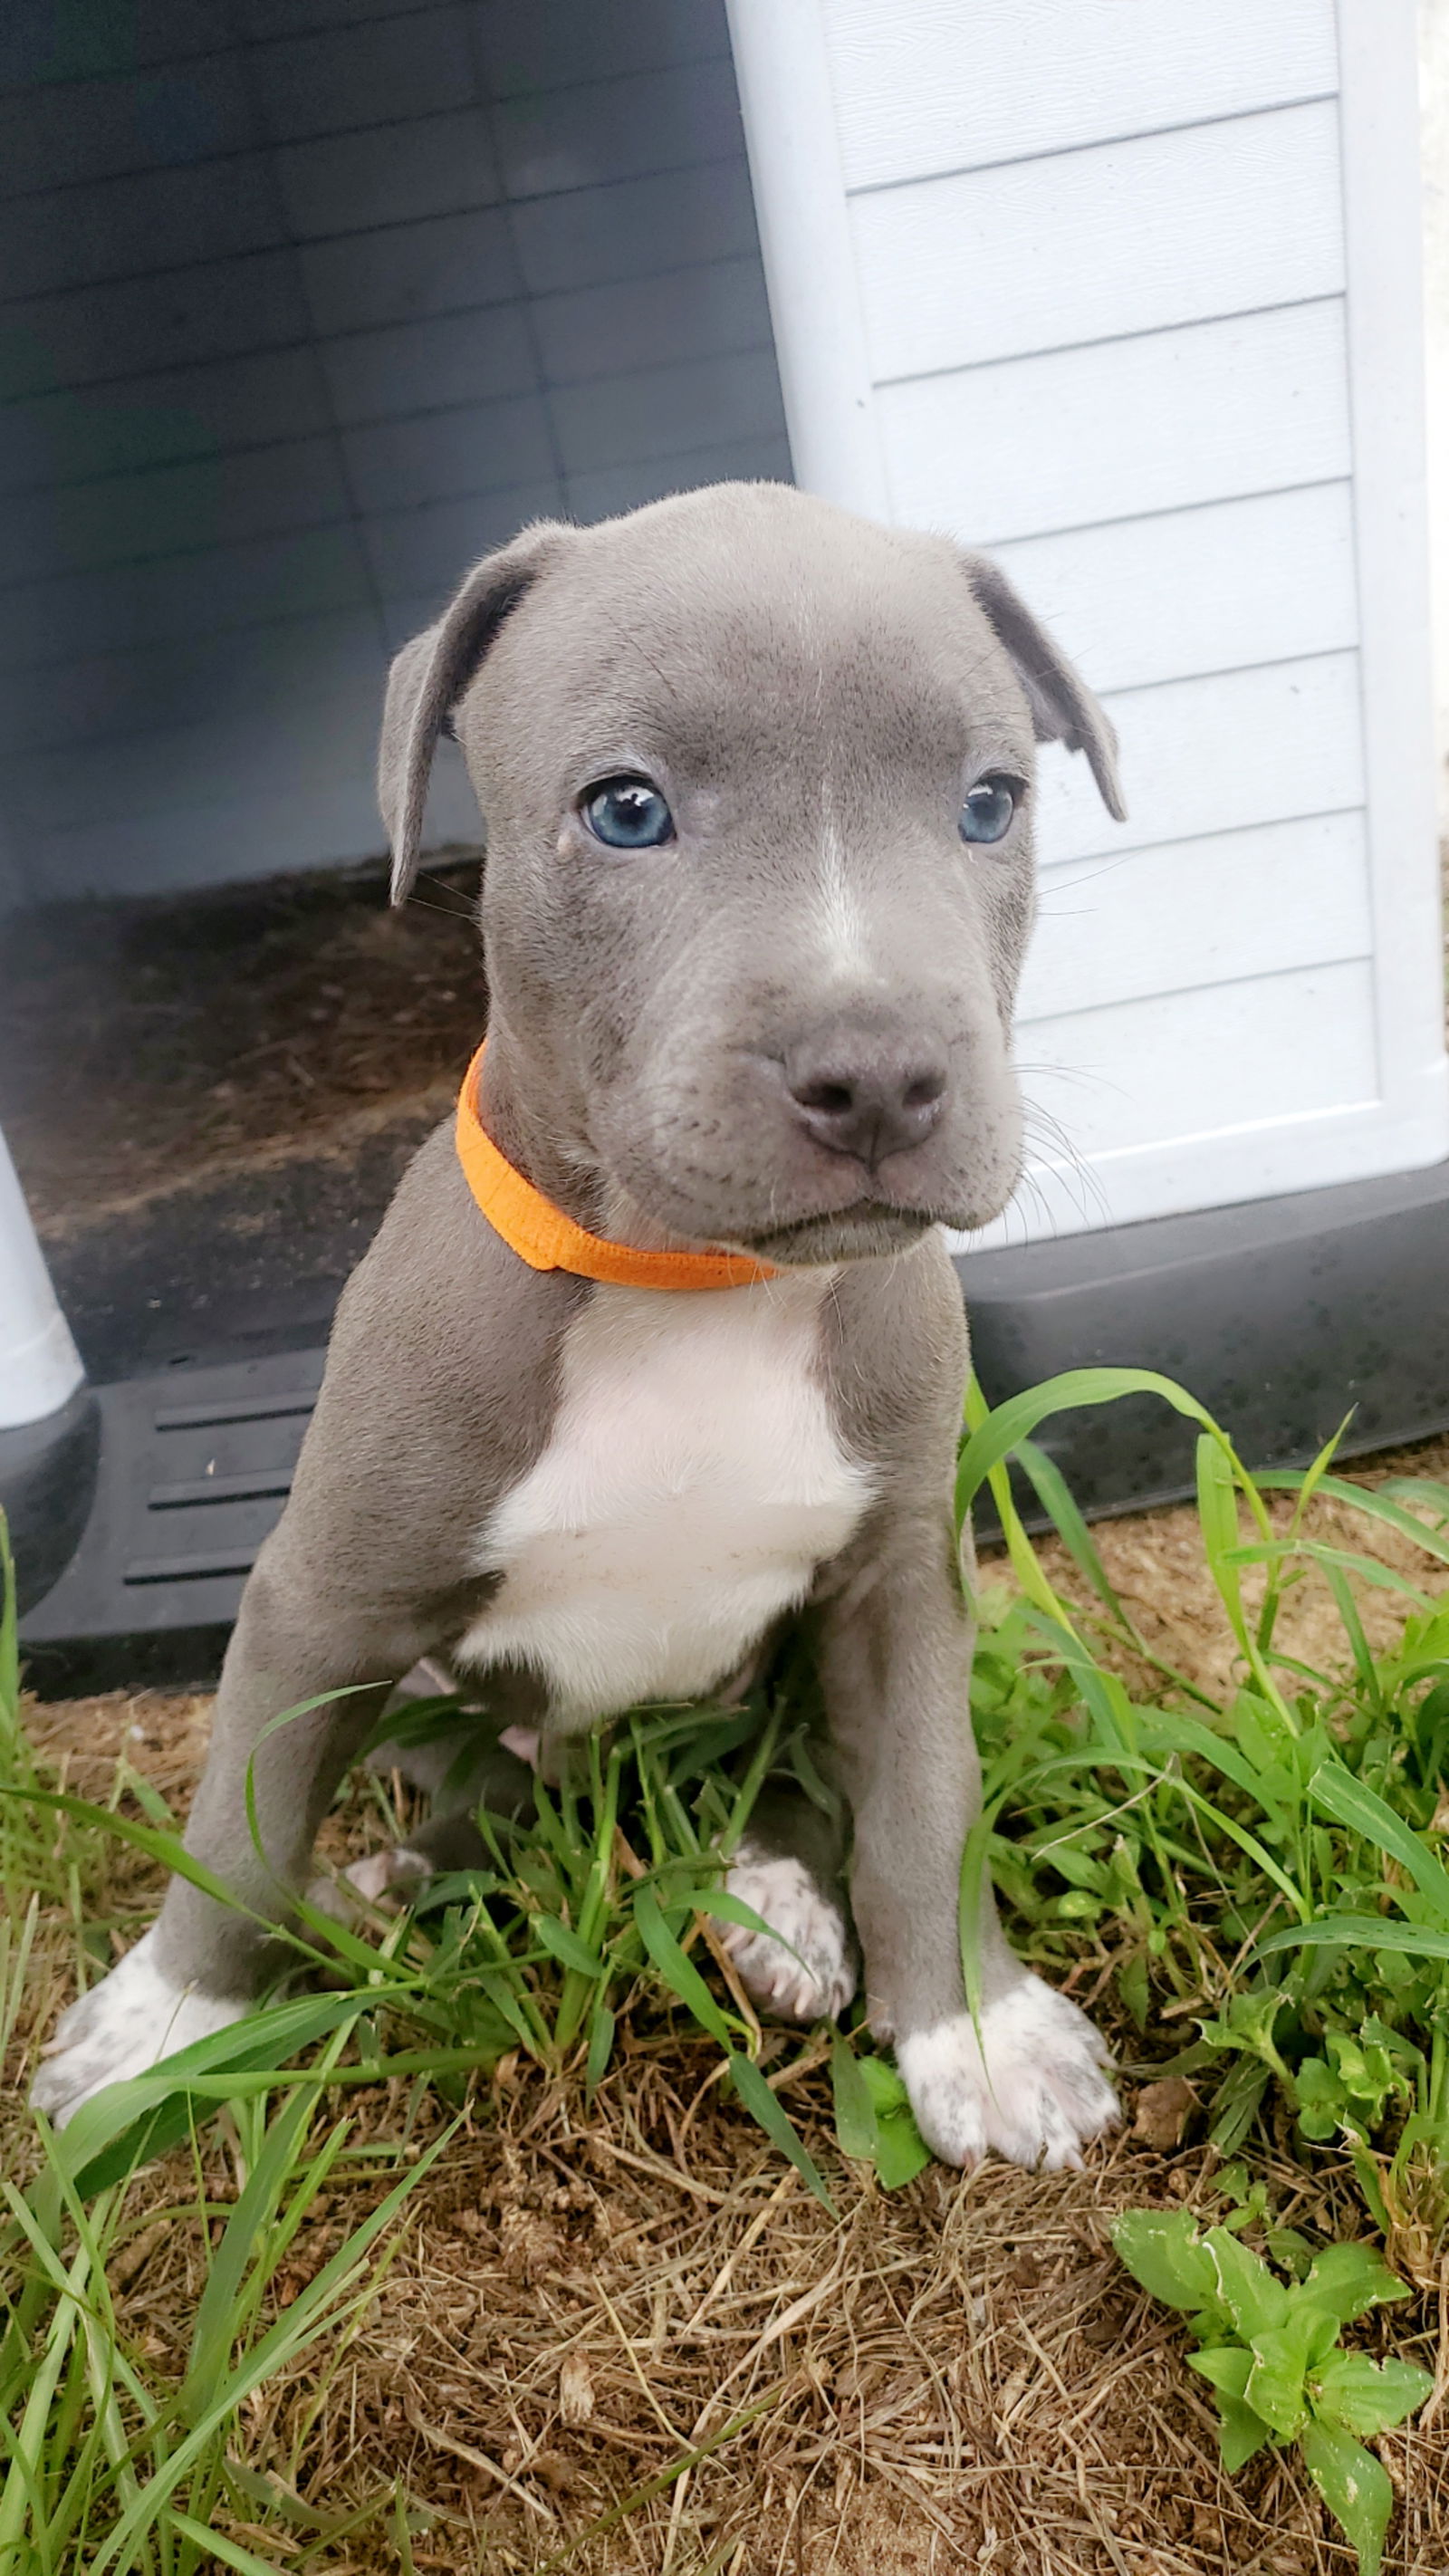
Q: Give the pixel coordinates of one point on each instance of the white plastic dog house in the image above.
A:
(312, 301)
(1128, 292)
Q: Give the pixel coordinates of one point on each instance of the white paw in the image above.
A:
(372, 1878)
(383, 1870)
(1037, 2095)
(817, 1984)
(525, 1743)
(123, 2027)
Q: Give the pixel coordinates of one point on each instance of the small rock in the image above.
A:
(1163, 2112)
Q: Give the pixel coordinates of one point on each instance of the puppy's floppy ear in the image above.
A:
(429, 676)
(1063, 709)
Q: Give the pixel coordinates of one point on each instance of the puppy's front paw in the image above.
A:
(817, 1982)
(1036, 2094)
(392, 1871)
(125, 2025)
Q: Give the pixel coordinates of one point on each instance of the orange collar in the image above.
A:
(546, 1239)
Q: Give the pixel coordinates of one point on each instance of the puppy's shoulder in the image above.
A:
(439, 1308)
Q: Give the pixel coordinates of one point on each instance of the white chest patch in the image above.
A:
(692, 1484)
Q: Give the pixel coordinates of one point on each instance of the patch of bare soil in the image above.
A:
(1155, 1563)
(148, 1045)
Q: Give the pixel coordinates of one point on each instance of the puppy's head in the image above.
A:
(757, 779)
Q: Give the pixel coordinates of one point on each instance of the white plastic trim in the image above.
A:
(783, 70)
(1379, 113)
(39, 1363)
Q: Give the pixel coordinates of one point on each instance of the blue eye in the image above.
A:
(627, 814)
(989, 807)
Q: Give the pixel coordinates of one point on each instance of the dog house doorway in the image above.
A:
(309, 304)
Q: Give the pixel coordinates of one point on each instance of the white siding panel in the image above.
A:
(1199, 912)
(930, 85)
(1283, 1045)
(1212, 589)
(1079, 435)
(1134, 295)
(1214, 755)
(1097, 244)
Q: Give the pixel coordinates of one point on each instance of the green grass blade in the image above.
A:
(1056, 1499)
(215, 2546)
(1015, 1420)
(1373, 1501)
(760, 2102)
(678, 1972)
(128, 2124)
(1354, 1804)
(1357, 1932)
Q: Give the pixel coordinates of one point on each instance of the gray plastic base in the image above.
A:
(1281, 1316)
(1278, 1315)
(195, 1465)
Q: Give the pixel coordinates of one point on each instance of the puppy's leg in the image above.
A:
(203, 1963)
(790, 1868)
(896, 1659)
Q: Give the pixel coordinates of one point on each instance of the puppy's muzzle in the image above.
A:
(866, 1096)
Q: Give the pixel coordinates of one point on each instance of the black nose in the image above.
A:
(869, 1099)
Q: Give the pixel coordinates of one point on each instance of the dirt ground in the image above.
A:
(148, 1046)
(955, 2376)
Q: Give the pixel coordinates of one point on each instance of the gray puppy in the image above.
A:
(757, 780)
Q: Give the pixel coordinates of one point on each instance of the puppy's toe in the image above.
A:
(393, 1871)
(804, 1968)
(127, 2024)
(1033, 2087)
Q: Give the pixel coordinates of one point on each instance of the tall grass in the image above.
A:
(1265, 1862)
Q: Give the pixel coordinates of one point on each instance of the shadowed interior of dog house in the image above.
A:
(309, 303)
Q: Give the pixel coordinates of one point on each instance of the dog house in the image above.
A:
(311, 301)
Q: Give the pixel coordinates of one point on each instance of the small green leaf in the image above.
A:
(873, 2116)
(1275, 2382)
(1358, 1932)
(679, 1973)
(1254, 2300)
(1224, 2366)
(1351, 2279)
(1132, 1987)
(884, 2085)
(901, 2151)
(218, 2547)
(1366, 2396)
(1354, 2486)
(1164, 2252)
(999, 1431)
(725, 1908)
(1241, 2433)
(855, 2120)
